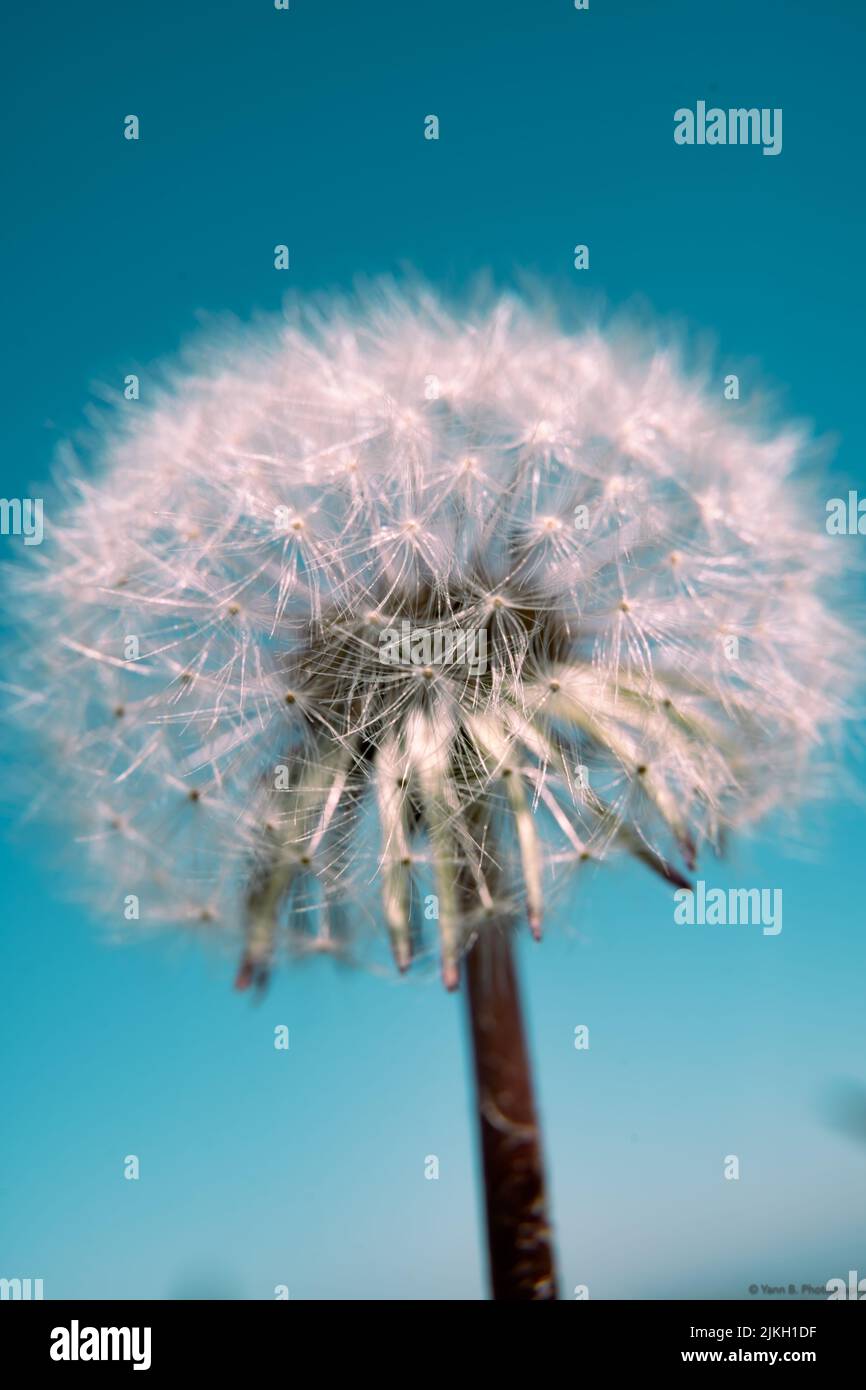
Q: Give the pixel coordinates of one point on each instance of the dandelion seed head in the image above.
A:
(213, 597)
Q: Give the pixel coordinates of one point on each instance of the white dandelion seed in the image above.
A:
(295, 496)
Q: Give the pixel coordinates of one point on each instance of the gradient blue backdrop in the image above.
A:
(306, 1168)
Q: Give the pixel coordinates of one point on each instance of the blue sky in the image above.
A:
(306, 1167)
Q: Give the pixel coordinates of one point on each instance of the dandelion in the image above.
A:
(662, 655)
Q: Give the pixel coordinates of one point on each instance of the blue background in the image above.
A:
(306, 1167)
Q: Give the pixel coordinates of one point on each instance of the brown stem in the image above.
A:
(518, 1233)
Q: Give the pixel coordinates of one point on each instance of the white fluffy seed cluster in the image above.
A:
(237, 665)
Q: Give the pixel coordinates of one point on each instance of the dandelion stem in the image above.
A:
(518, 1232)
